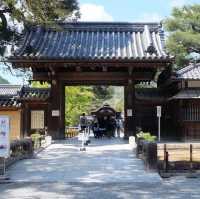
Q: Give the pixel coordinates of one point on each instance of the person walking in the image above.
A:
(118, 127)
(84, 130)
(83, 122)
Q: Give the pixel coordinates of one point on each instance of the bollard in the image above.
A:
(132, 142)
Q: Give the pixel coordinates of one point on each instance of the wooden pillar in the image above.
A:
(26, 120)
(56, 111)
(129, 109)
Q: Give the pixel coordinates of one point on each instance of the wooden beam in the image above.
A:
(95, 76)
(95, 63)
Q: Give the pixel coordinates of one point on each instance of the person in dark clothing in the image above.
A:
(95, 127)
(83, 122)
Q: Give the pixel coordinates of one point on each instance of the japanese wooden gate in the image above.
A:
(122, 54)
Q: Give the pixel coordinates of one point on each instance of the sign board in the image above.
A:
(4, 136)
(55, 113)
(159, 111)
(129, 112)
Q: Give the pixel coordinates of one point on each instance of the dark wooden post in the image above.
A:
(166, 158)
(129, 109)
(56, 111)
(26, 120)
(191, 159)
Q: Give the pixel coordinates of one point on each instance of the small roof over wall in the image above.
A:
(31, 94)
(191, 72)
(187, 94)
(9, 102)
(9, 90)
(12, 96)
(93, 41)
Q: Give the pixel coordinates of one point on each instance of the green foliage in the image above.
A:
(36, 138)
(79, 99)
(116, 98)
(184, 29)
(84, 99)
(102, 94)
(45, 12)
(146, 136)
(37, 84)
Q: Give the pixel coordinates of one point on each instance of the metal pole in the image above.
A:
(159, 129)
(4, 166)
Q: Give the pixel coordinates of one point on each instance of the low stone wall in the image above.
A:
(148, 152)
(22, 149)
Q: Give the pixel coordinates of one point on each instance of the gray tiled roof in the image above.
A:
(190, 72)
(94, 41)
(28, 93)
(11, 90)
(8, 102)
(13, 96)
(187, 94)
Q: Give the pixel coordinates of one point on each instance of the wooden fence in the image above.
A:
(71, 132)
(179, 155)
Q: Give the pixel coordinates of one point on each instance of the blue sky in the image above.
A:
(122, 10)
(130, 10)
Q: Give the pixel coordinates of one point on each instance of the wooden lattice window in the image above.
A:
(191, 113)
(37, 119)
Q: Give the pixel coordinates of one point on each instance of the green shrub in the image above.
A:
(20, 147)
(36, 138)
(146, 136)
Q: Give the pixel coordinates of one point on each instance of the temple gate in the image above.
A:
(121, 54)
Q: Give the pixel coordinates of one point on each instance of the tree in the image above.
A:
(17, 14)
(184, 37)
(37, 84)
(78, 100)
(102, 94)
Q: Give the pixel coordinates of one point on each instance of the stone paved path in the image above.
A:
(107, 170)
(104, 161)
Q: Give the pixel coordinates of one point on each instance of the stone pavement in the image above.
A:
(106, 160)
(108, 169)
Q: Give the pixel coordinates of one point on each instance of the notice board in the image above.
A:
(4, 136)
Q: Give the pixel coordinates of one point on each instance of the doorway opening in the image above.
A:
(101, 103)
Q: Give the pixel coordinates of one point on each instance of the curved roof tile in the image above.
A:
(91, 41)
(191, 72)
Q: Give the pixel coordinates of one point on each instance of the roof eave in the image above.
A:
(60, 60)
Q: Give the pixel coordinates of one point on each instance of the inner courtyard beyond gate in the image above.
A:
(119, 54)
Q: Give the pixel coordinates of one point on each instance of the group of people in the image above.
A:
(106, 126)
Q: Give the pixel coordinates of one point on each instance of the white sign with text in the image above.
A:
(159, 114)
(55, 113)
(4, 136)
(129, 112)
(159, 111)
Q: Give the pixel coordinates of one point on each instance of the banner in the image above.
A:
(4, 136)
